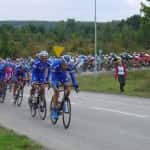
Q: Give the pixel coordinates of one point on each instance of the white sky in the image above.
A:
(52, 10)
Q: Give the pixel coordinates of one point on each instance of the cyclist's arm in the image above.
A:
(73, 78)
(33, 77)
(48, 75)
(72, 75)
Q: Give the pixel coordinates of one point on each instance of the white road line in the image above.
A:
(118, 111)
(74, 103)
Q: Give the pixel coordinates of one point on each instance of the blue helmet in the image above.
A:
(66, 59)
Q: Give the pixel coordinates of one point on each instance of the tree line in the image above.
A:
(27, 38)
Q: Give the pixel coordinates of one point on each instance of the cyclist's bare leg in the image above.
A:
(24, 83)
(67, 89)
(32, 91)
(55, 97)
(43, 89)
(15, 89)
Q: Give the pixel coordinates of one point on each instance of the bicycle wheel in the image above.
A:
(19, 97)
(53, 120)
(42, 109)
(32, 107)
(15, 100)
(2, 99)
(2, 94)
(66, 113)
(16, 97)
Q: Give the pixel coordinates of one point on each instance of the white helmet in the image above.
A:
(43, 54)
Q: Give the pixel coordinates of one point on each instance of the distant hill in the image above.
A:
(18, 24)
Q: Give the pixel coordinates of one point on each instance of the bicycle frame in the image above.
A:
(62, 89)
(39, 88)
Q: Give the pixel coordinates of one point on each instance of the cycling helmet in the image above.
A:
(66, 59)
(43, 54)
(8, 59)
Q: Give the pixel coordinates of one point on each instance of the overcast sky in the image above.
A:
(52, 10)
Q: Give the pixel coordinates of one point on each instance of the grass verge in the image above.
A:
(137, 83)
(11, 141)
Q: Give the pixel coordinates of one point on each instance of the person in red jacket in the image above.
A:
(121, 74)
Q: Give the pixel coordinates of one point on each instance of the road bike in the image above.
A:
(64, 109)
(37, 101)
(19, 92)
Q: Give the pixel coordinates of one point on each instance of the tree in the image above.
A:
(134, 22)
(4, 49)
(145, 9)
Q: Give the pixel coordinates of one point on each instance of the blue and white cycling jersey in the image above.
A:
(19, 72)
(2, 70)
(41, 71)
(60, 75)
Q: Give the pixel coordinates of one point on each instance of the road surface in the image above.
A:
(99, 122)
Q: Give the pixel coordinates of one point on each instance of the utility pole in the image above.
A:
(95, 38)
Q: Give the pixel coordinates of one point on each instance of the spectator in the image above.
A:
(121, 74)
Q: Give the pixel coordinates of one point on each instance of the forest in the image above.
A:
(26, 38)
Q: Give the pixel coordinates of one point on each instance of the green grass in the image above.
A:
(137, 83)
(11, 141)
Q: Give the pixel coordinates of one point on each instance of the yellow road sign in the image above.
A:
(58, 50)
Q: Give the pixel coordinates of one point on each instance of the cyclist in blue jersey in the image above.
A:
(2, 69)
(21, 73)
(40, 70)
(60, 69)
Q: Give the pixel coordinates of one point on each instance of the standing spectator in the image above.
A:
(121, 74)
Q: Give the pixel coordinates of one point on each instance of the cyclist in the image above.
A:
(10, 67)
(60, 68)
(2, 69)
(40, 71)
(21, 73)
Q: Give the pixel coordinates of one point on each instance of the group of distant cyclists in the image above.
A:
(43, 70)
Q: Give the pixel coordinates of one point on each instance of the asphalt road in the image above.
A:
(99, 122)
